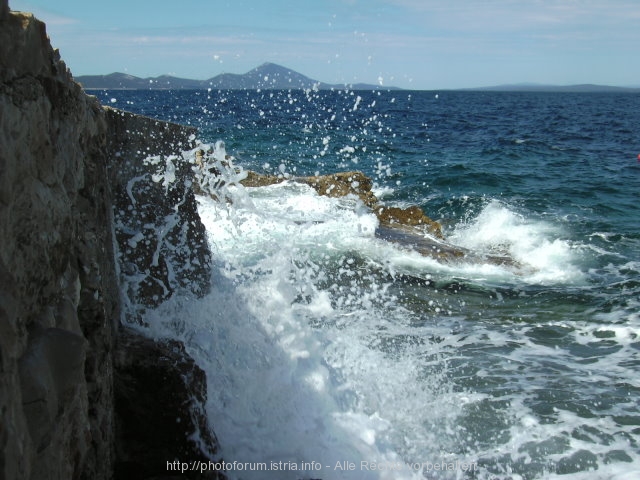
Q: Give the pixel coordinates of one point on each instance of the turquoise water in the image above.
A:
(324, 343)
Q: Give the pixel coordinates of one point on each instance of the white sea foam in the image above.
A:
(296, 374)
(381, 192)
(545, 256)
(311, 358)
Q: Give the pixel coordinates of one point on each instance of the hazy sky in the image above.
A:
(421, 44)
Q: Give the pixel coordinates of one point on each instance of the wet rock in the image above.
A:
(409, 237)
(160, 395)
(409, 227)
(255, 179)
(162, 242)
(411, 217)
(341, 184)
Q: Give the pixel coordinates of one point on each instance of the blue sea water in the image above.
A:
(323, 343)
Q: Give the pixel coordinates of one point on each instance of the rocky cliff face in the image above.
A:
(59, 305)
(163, 242)
(60, 298)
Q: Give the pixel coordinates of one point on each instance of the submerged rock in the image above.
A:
(408, 236)
(409, 227)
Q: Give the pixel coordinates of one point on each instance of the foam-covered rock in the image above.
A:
(162, 242)
(411, 223)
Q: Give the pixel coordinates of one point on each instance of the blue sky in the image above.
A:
(420, 44)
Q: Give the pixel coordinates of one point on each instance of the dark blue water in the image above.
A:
(548, 356)
(560, 147)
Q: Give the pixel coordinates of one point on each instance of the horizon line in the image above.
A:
(523, 86)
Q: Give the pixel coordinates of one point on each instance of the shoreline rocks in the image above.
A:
(58, 289)
(160, 396)
(358, 184)
(162, 242)
(64, 249)
(408, 227)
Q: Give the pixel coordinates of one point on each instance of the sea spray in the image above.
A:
(526, 368)
(541, 250)
(299, 341)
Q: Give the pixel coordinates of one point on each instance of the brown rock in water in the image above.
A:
(258, 180)
(342, 184)
(334, 185)
(411, 223)
(412, 217)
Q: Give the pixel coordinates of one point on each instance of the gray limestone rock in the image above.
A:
(60, 296)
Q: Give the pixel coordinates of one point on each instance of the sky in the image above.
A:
(416, 44)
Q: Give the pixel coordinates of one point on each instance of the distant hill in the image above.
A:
(535, 87)
(268, 76)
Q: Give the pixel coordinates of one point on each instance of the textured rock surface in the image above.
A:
(59, 295)
(334, 185)
(150, 432)
(60, 299)
(342, 184)
(163, 245)
(411, 217)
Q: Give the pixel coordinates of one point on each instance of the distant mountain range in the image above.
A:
(268, 76)
(536, 87)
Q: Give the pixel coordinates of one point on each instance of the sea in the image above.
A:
(332, 353)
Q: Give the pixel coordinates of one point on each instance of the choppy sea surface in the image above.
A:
(331, 353)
